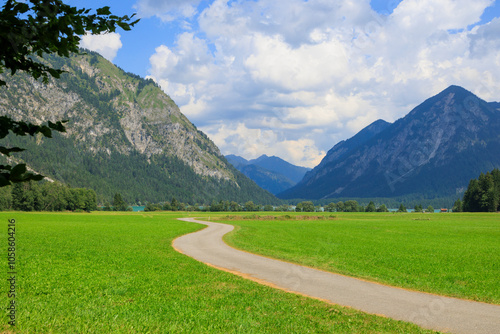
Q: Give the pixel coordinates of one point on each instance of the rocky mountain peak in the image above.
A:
(124, 134)
(435, 149)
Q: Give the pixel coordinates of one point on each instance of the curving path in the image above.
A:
(427, 310)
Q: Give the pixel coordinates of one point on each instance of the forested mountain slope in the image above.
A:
(124, 135)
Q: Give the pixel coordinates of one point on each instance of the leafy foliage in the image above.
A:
(47, 196)
(402, 208)
(34, 28)
(483, 194)
(19, 173)
(306, 206)
(457, 206)
(382, 208)
(118, 203)
(370, 207)
(41, 27)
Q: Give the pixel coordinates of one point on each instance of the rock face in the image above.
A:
(345, 147)
(139, 115)
(434, 151)
(116, 115)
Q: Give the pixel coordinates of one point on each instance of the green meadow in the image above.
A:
(453, 254)
(117, 273)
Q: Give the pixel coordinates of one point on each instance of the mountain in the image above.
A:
(345, 147)
(278, 165)
(432, 152)
(236, 161)
(266, 179)
(271, 173)
(495, 105)
(124, 135)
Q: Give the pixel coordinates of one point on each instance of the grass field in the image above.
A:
(117, 273)
(451, 254)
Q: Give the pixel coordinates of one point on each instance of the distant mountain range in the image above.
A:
(432, 152)
(124, 135)
(271, 173)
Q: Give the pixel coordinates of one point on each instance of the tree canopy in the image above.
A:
(28, 31)
(118, 203)
(483, 194)
(47, 196)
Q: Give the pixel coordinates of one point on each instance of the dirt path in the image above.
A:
(427, 310)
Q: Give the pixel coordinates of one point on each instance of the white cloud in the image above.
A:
(106, 44)
(292, 77)
(429, 15)
(189, 62)
(308, 67)
(239, 139)
(485, 39)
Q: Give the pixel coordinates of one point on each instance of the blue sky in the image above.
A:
(291, 77)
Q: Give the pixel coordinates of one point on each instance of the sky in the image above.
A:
(292, 78)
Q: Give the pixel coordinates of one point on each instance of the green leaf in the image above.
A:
(46, 131)
(123, 25)
(8, 151)
(104, 11)
(3, 181)
(36, 177)
(58, 126)
(18, 170)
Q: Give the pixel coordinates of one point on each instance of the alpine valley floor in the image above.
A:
(427, 310)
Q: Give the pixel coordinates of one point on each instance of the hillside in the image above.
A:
(344, 147)
(271, 173)
(278, 165)
(124, 135)
(432, 152)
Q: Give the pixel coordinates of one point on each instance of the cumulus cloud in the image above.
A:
(238, 139)
(485, 39)
(105, 44)
(292, 77)
(431, 15)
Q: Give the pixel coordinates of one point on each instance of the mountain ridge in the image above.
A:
(344, 147)
(271, 173)
(433, 151)
(278, 165)
(124, 135)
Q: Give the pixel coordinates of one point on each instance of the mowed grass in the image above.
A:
(117, 273)
(454, 254)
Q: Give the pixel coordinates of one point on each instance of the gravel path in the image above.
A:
(426, 310)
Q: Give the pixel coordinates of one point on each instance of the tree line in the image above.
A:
(215, 206)
(47, 196)
(482, 194)
(354, 206)
(304, 206)
(132, 176)
(55, 196)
